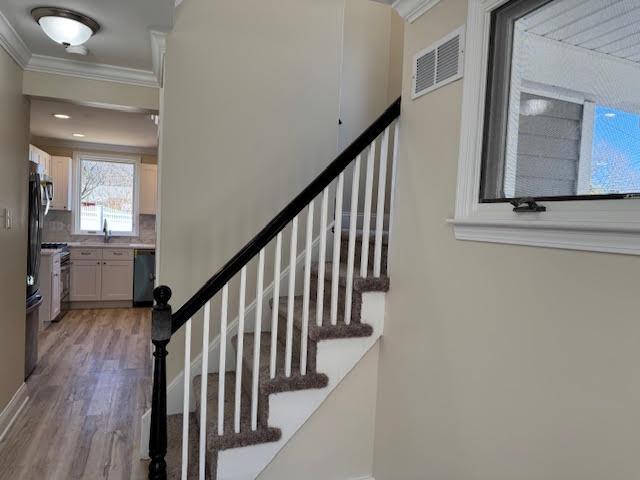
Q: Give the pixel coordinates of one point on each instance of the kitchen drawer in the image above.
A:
(86, 254)
(117, 254)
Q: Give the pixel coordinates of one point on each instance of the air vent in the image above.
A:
(439, 64)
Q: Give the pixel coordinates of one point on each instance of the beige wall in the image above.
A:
(14, 129)
(336, 443)
(498, 362)
(92, 92)
(249, 119)
(371, 65)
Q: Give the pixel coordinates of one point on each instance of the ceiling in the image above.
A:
(100, 126)
(606, 26)
(124, 39)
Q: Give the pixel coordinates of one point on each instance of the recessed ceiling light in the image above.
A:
(78, 135)
(65, 27)
(610, 115)
(61, 116)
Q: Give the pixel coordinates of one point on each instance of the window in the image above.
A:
(547, 133)
(551, 111)
(106, 191)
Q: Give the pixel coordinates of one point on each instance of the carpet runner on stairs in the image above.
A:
(280, 383)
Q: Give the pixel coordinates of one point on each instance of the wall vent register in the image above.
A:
(439, 64)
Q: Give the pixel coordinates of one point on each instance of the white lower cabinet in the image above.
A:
(95, 277)
(50, 287)
(117, 280)
(86, 281)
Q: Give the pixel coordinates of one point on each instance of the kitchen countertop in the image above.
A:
(137, 246)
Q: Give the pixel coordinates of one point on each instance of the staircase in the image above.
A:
(287, 363)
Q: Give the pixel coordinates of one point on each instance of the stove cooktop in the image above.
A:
(55, 245)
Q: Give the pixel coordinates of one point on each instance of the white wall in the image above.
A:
(479, 377)
(14, 130)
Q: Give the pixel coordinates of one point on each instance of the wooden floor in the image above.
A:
(86, 397)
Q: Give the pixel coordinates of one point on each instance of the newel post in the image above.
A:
(160, 336)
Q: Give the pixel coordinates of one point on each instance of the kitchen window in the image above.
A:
(106, 190)
(551, 115)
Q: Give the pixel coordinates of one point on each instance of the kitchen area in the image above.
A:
(92, 213)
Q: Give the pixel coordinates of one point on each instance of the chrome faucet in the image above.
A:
(106, 231)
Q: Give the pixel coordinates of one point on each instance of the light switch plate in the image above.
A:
(8, 220)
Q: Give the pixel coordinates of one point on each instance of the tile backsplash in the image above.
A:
(58, 227)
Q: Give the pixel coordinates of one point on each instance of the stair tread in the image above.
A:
(327, 330)
(280, 383)
(360, 236)
(174, 448)
(368, 284)
(230, 439)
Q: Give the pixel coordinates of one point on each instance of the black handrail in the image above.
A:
(280, 221)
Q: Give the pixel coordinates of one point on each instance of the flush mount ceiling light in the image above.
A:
(78, 135)
(61, 116)
(65, 27)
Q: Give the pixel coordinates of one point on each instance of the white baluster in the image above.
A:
(290, 304)
(223, 357)
(351, 252)
(276, 306)
(394, 173)
(185, 399)
(203, 388)
(239, 348)
(337, 238)
(256, 344)
(322, 256)
(382, 191)
(307, 290)
(366, 220)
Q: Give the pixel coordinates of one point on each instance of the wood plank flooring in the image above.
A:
(86, 396)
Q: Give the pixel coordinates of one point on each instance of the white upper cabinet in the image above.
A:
(148, 189)
(60, 172)
(41, 158)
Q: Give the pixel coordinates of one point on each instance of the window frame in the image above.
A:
(134, 160)
(595, 224)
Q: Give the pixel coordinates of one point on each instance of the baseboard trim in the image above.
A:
(10, 413)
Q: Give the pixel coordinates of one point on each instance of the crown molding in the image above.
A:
(411, 10)
(96, 147)
(12, 43)
(91, 71)
(158, 49)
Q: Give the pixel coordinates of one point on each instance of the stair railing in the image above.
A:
(165, 323)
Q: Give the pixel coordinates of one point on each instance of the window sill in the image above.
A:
(619, 238)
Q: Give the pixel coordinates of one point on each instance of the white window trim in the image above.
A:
(133, 159)
(602, 226)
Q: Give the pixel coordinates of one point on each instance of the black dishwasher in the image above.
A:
(144, 276)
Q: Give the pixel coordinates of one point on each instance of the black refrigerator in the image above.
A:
(36, 218)
(34, 298)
